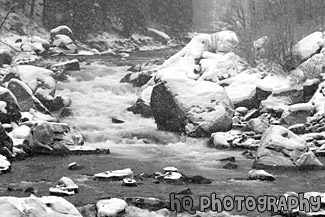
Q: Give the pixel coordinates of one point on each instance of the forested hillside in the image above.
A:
(122, 16)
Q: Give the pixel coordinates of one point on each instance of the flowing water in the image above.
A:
(97, 96)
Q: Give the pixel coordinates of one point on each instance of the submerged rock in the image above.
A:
(197, 108)
(281, 148)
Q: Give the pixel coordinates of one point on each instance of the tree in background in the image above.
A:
(284, 22)
(176, 16)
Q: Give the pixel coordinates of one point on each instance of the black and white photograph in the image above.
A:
(162, 108)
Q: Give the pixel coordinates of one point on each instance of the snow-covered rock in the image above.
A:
(282, 148)
(115, 174)
(110, 207)
(197, 108)
(309, 45)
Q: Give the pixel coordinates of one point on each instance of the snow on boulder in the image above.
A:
(110, 207)
(158, 35)
(224, 41)
(309, 45)
(62, 30)
(281, 148)
(65, 43)
(36, 77)
(220, 66)
(25, 97)
(311, 68)
(242, 91)
(197, 108)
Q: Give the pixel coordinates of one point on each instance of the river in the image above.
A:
(97, 96)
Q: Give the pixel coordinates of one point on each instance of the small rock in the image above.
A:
(230, 166)
(248, 154)
(129, 182)
(260, 175)
(242, 110)
(230, 159)
(115, 174)
(74, 166)
(117, 121)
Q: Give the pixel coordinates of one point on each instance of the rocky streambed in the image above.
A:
(136, 128)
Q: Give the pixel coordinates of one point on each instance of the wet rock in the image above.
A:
(248, 154)
(229, 159)
(87, 150)
(53, 104)
(137, 79)
(6, 143)
(142, 105)
(110, 207)
(298, 128)
(115, 175)
(230, 166)
(197, 108)
(296, 114)
(5, 57)
(117, 121)
(170, 169)
(281, 148)
(25, 97)
(147, 203)
(74, 166)
(71, 65)
(260, 175)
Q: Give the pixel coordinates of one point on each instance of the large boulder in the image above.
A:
(281, 148)
(65, 43)
(36, 77)
(309, 45)
(197, 108)
(25, 97)
(32, 206)
(53, 139)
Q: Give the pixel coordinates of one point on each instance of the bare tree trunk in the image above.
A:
(32, 8)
